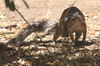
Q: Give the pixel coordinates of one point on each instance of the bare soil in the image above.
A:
(51, 10)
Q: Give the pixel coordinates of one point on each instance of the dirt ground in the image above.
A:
(51, 10)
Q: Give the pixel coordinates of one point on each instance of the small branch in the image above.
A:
(8, 26)
(71, 6)
(29, 24)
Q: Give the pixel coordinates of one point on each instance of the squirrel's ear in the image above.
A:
(65, 19)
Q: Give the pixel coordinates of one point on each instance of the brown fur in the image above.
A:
(72, 20)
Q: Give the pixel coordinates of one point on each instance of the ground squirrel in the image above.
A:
(72, 20)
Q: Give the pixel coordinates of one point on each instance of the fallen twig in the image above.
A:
(28, 24)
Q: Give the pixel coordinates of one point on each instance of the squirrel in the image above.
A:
(72, 21)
